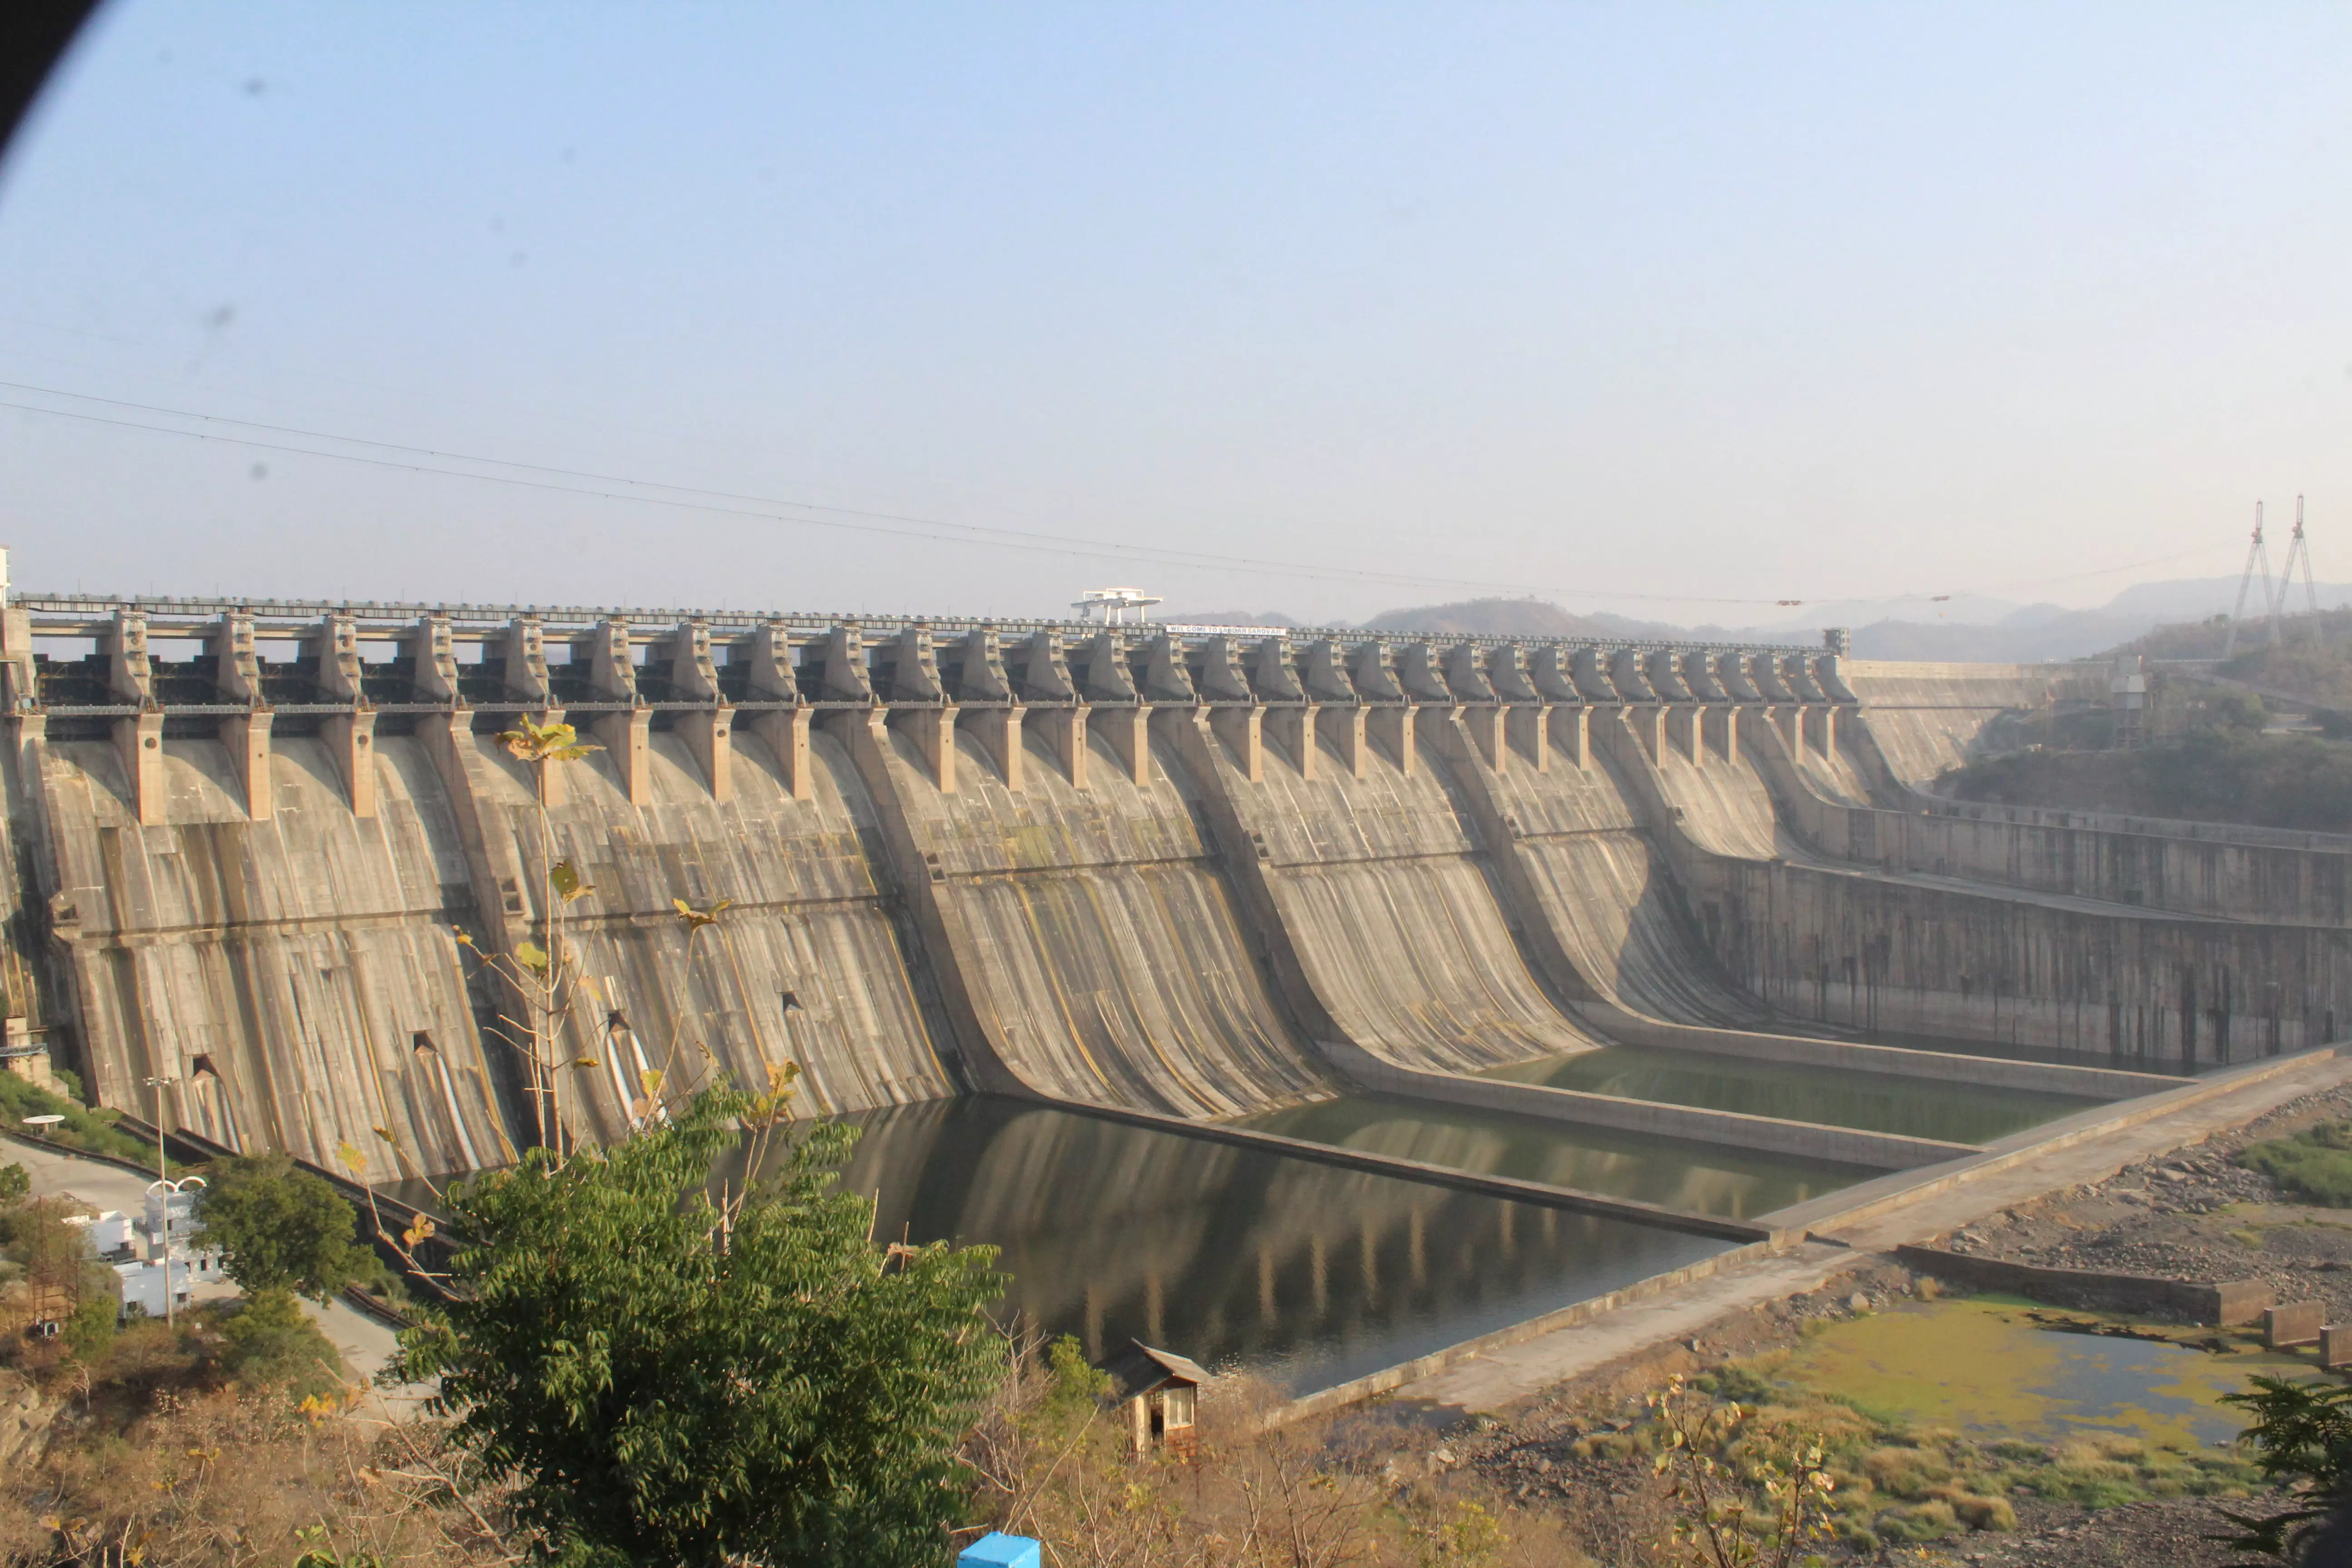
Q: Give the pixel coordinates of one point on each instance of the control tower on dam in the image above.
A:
(261, 849)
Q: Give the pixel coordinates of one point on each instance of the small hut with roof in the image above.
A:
(1161, 1392)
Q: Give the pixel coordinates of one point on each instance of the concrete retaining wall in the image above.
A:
(1853, 951)
(2137, 1294)
(2219, 879)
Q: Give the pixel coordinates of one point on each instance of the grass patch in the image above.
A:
(2314, 1164)
(84, 1129)
(1899, 1480)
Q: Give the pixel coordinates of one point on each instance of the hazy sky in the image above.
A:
(1712, 303)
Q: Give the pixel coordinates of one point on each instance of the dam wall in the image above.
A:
(1381, 894)
(811, 964)
(297, 978)
(1099, 950)
(1176, 873)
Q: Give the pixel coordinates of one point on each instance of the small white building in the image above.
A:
(171, 1222)
(109, 1234)
(143, 1286)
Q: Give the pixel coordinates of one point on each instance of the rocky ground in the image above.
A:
(2191, 1214)
(2187, 1214)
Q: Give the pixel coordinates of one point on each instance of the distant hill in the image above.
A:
(2167, 617)
(1512, 618)
(1229, 618)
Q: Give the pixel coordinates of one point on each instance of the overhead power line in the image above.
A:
(815, 514)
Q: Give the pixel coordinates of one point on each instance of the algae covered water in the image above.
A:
(1307, 1273)
(1916, 1108)
(1711, 1178)
(1992, 1367)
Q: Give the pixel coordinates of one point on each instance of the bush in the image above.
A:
(2221, 768)
(91, 1132)
(2314, 1164)
(89, 1332)
(15, 1184)
(1920, 1521)
(267, 1342)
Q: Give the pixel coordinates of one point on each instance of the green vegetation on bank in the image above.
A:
(83, 1129)
(1895, 1479)
(669, 1379)
(2314, 1164)
(2216, 765)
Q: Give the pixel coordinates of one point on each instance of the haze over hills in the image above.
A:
(1966, 628)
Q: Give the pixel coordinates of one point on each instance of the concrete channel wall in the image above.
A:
(2219, 878)
(1802, 1139)
(1826, 945)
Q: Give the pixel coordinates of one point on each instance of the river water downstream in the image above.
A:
(1916, 1108)
(1712, 1178)
(1307, 1273)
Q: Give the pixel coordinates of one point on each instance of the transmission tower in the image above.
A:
(2256, 553)
(2299, 553)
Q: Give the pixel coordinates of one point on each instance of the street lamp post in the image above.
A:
(163, 1177)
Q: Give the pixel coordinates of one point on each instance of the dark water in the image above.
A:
(1307, 1273)
(1709, 1177)
(1917, 1108)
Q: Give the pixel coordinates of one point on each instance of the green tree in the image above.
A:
(50, 1250)
(268, 1342)
(2301, 1438)
(676, 1380)
(15, 1184)
(279, 1228)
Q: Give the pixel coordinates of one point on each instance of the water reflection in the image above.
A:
(1307, 1273)
(1917, 1108)
(1711, 1178)
(2048, 1056)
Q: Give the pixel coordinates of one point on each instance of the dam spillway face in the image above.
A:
(1187, 875)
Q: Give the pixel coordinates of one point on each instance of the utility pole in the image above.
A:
(2300, 550)
(2254, 552)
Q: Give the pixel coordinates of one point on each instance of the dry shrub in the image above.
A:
(1985, 1512)
(232, 1480)
(1051, 1461)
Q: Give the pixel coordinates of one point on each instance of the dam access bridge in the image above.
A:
(1184, 877)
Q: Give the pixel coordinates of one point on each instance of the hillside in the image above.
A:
(2165, 620)
(2211, 758)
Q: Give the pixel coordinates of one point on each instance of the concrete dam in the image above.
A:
(1188, 878)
